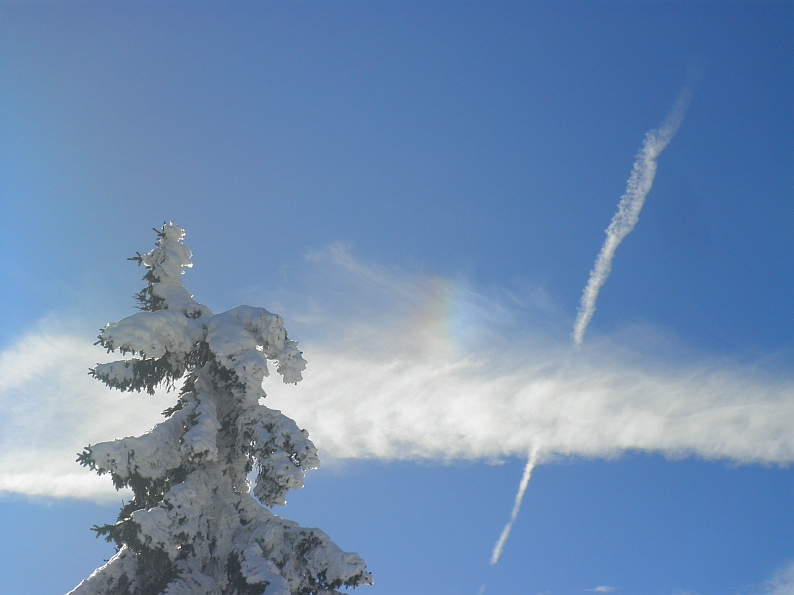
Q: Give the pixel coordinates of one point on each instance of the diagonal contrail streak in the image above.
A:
(637, 188)
(522, 487)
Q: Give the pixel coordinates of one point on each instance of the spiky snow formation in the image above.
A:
(193, 527)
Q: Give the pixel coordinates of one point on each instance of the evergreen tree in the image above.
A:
(193, 526)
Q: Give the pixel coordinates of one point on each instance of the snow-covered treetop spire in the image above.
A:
(192, 527)
(166, 264)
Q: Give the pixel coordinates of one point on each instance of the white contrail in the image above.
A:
(522, 487)
(637, 188)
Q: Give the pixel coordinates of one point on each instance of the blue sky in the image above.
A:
(421, 190)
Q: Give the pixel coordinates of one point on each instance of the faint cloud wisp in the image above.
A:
(782, 583)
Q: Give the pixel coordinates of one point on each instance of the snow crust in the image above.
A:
(193, 467)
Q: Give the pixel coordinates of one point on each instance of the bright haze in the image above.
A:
(422, 191)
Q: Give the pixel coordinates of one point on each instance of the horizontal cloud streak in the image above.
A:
(497, 405)
(52, 409)
(402, 388)
(412, 367)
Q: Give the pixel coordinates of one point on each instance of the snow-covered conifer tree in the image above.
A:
(193, 526)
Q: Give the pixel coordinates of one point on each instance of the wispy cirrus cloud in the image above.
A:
(434, 373)
(52, 409)
(781, 583)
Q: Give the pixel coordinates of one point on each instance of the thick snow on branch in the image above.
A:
(119, 568)
(268, 331)
(149, 456)
(201, 438)
(152, 334)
